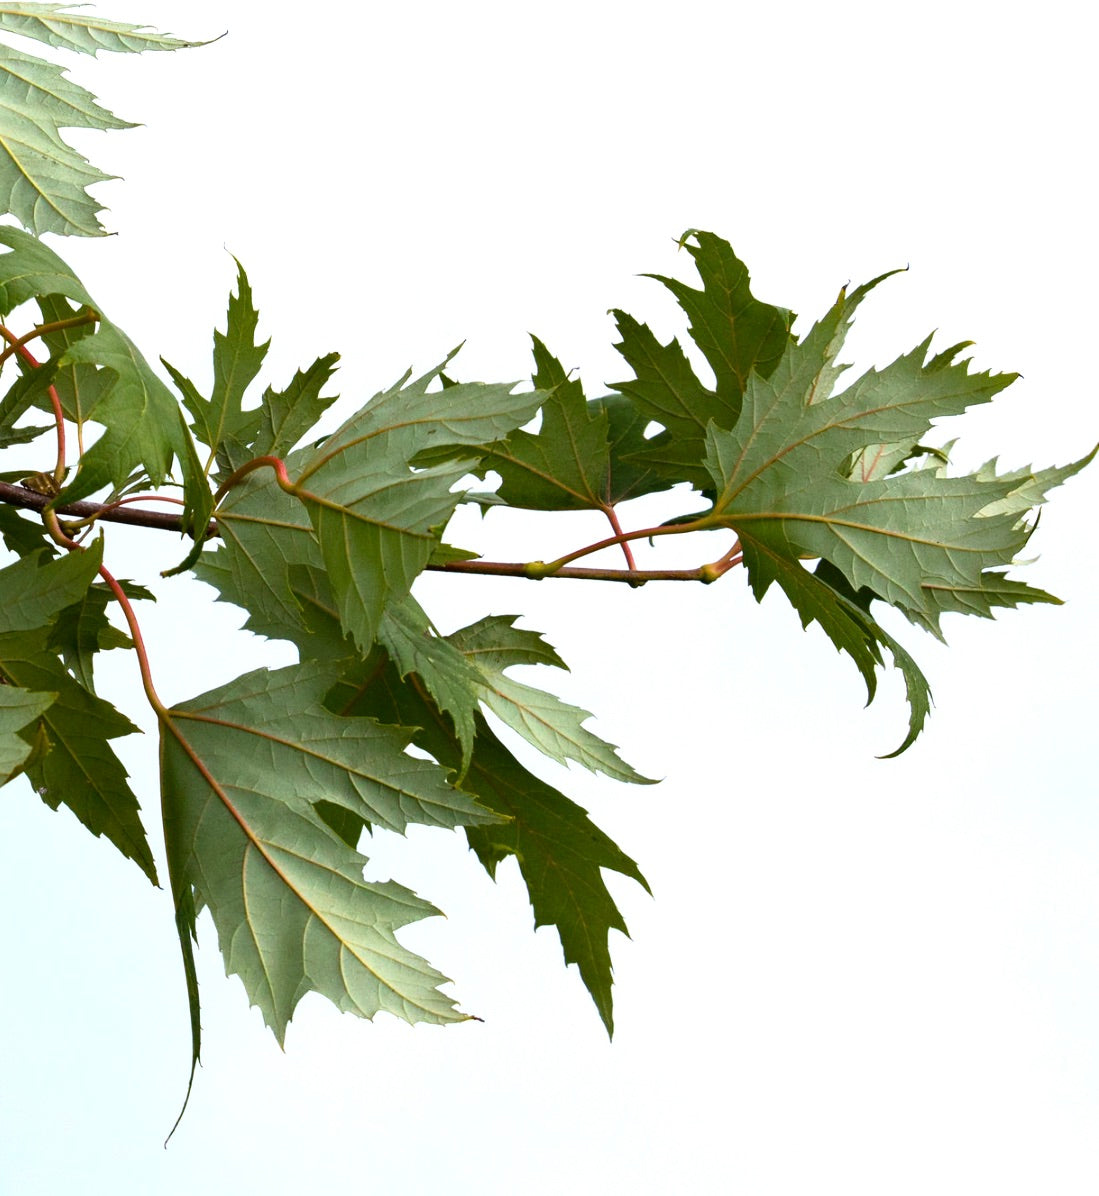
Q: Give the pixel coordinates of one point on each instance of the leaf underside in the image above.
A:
(44, 181)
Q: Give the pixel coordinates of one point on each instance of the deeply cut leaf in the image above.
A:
(554, 727)
(739, 335)
(803, 470)
(560, 851)
(377, 518)
(43, 181)
(244, 768)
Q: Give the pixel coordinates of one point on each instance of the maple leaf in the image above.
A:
(414, 647)
(739, 335)
(376, 515)
(75, 764)
(82, 629)
(575, 461)
(582, 457)
(286, 416)
(142, 427)
(245, 769)
(780, 480)
(560, 852)
(43, 179)
(265, 533)
(237, 360)
(554, 727)
(801, 469)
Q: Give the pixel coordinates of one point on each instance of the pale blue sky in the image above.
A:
(874, 976)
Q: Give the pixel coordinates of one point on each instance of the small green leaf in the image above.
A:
(31, 269)
(287, 416)
(552, 726)
(82, 630)
(79, 385)
(34, 590)
(265, 533)
(453, 682)
(562, 466)
(238, 357)
(79, 769)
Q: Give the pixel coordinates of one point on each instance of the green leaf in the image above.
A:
(24, 435)
(378, 518)
(22, 535)
(34, 590)
(237, 361)
(628, 476)
(452, 681)
(561, 854)
(243, 770)
(79, 385)
(287, 416)
(45, 181)
(825, 597)
(560, 851)
(82, 629)
(31, 269)
(138, 414)
(198, 501)
(562, 466)
(806, 473)
(554, 727)
(18, 708)
(140, 418)
(574, 461)
(265, 533)
(779, 474)
(739, 336)
(79, 769)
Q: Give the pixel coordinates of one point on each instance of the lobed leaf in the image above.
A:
(82, 629)
(559, 850)
(244, 770)
(75, 764)
(740, 336)
(237, 360)
(554, 727)
(265, 533)
(141, 424)
(43, 180)
(376, 516)
(288, 415)
(802, 469)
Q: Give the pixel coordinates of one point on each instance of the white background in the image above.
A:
(862, 975)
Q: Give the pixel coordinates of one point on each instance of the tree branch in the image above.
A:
(31, 500)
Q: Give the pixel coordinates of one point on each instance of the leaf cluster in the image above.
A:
(318, 531)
